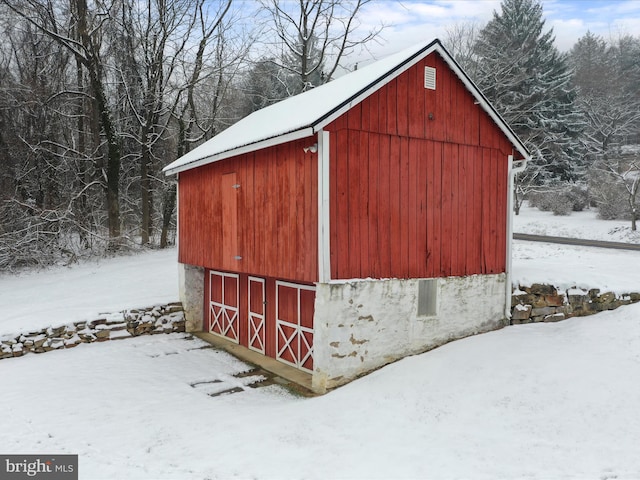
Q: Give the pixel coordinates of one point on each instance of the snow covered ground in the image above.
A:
(60, 295)
(577, 225)
(568, 266)
(536, 401)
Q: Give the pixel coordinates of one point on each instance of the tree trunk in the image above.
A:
(169, 204)
(113, 165)
(145, 194)
(93, 64)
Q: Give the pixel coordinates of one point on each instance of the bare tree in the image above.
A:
(79, 30)
(198, 107)
(37, 195)
(460, 40)
(313, 36)
(139, 67)
(608, 95)
(608, 77)
(154, 36)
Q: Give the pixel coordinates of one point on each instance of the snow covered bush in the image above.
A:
(614, 186)
(561, 200)
(579, 196)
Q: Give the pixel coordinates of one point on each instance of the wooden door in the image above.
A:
(256, 314)
(224, 304)
(230, 254)
(294, 324)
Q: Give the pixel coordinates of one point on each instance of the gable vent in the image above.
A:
(430, 78)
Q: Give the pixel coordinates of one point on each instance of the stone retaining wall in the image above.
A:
(544, 303)
(537, 303)
(128, 323)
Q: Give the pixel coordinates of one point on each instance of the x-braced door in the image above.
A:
(294, 324)
(224, 302)
(256, 328)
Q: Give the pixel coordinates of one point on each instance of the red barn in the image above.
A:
(354, 224)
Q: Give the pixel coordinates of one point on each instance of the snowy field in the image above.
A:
(538, 401)
(60, 295)
(567, 266)
(577, 225)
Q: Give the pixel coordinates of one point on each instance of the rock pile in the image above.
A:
(128, 323)
(544, 303)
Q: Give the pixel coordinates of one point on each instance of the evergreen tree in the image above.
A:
(303, 65)
(608, 78)
(625, 53)
(529, 82)
(591, 64)
(264, 84)
(608, 81)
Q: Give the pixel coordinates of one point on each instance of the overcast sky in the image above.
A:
(411, 22)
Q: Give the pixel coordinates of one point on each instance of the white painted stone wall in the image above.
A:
(361, 325)
(191, 280)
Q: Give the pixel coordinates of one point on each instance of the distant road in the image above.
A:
(576, 241)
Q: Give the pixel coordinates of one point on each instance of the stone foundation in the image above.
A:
(191, 282)
(362, 325)
(128, 323)
(544, 303)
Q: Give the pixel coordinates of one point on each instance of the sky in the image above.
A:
(409, 22)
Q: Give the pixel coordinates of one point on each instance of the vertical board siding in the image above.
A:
(415, 219)
(444, 215)
(449, 161)
(396, 214)
(276, 214)
(418, 182)
(355, 178)
(405, 206)
(373, 185)
(385, 228)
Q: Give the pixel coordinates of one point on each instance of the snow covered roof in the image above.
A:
(305, 114)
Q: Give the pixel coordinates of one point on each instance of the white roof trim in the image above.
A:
(270, 142)
(379, 83)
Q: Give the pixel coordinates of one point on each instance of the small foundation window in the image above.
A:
(427, 298)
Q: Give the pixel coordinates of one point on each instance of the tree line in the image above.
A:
(578, 112)
(97, 96)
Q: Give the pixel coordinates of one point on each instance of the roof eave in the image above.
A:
(269, 142)
(375, 85)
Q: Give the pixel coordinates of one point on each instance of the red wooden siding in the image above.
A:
(418, 188)
(418, 182)
(269, 219)
(447, 114)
